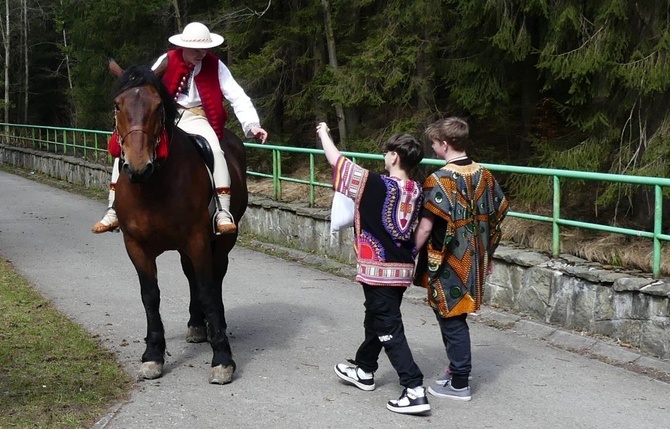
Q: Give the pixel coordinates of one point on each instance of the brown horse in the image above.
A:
(163, 205)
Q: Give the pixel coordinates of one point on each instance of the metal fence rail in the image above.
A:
(92, 145)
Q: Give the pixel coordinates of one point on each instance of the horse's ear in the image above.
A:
(162, 68)
(115, 68)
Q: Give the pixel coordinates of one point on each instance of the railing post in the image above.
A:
(658, 228)
(312, 179)
(276, 173)
(556, 239)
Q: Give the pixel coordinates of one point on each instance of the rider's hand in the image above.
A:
(260, 134)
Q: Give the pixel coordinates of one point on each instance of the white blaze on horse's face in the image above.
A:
(138, 123)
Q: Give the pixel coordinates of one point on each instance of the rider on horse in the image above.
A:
(200, 82)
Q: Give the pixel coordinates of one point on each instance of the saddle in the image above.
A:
(205, 150)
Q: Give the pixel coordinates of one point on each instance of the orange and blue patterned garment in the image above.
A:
(469, 206)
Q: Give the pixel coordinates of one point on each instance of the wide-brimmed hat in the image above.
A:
(197, 36)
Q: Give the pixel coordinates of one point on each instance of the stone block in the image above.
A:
(583, 306)
(560, 304)
(659, 307)
(540, 279)
(529, 258)
(529, 300)
(626, 284)
(655, 338)
(658, 288)
(604, 304)
(627, 331)
(623, 306)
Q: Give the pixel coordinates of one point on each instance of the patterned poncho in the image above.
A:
(468, 205)
(386, 212)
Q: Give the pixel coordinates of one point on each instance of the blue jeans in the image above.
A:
(384, 329)
(456, 339)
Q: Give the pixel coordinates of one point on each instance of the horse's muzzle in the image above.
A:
(138, 176)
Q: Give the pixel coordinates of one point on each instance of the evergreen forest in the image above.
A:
(573, 84)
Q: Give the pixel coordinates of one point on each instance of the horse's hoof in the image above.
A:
(221, 374)
(150, 370)
(196, 334)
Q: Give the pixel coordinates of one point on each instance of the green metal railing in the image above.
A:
(92, 145)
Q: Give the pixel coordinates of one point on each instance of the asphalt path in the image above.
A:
(288, 325)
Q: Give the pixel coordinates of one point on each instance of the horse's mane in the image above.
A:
(140, 75)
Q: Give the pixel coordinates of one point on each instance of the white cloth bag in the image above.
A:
(341, 212)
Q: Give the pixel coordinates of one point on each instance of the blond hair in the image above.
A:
(455, 131)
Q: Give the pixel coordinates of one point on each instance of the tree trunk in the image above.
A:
(7, 52)
(177, 14)
(73, 106)
(332, 60)
(25, 61)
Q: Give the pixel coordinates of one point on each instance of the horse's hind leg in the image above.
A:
(196, 327)
(221, 372)
(206, 301)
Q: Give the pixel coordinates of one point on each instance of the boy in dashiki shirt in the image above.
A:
(460, 226)
(386, 212)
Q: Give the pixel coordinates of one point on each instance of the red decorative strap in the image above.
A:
(114, 146)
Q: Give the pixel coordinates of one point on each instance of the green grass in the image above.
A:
(53, 374)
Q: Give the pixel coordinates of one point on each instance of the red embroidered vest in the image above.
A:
(207, 82)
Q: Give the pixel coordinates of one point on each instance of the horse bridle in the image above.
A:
(142, 129)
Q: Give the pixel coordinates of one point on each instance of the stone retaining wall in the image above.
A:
(629, 306)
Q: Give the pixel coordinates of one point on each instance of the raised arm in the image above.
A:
(332, 153)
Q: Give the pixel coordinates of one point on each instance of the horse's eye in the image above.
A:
(116, 107)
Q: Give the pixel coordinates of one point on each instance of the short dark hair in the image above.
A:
(409, 150)
(453, 130)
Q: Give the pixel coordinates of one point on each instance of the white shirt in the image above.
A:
(231, 90)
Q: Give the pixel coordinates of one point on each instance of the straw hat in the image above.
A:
(196, 36)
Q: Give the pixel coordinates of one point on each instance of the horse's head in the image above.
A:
(142, 108)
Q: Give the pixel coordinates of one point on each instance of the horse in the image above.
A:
(163, 204)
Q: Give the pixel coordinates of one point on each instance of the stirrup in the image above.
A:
(109, 222)
(225, 228)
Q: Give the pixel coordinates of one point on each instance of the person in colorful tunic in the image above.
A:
(200, 83)
(386, 213)
(457, 234)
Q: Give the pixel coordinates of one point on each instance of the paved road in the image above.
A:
(289, 324)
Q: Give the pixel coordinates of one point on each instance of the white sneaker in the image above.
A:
(356, 376)
(412, 401)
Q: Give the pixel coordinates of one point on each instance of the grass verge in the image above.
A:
(52, 372)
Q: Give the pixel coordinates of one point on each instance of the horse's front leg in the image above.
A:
(153, 357)
(205, 299)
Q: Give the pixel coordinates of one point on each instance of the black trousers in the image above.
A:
(384, 329)
(456, 339)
